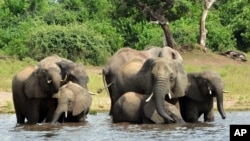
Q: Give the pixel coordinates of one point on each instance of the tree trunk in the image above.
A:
(168, 36)
(203, 30)
(159, 18)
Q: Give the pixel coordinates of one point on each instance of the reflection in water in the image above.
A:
(99, 127)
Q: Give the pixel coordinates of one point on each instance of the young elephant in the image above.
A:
(202, 89)
(72, 98)
(132, 107)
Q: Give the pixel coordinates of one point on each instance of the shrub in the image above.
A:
(75, 42)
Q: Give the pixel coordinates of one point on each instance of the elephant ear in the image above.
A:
(147, 66)
(150, 112)
(82, 102)
(32, 88)
(181, 80)
(193, 88)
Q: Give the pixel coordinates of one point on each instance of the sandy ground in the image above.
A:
(4, 97)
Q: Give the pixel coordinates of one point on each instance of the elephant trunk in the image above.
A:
(55, 117)
(160, 91)
(61, 107)
(219, 98)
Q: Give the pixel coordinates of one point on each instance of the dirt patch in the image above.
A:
(6, 102)
(5, 96)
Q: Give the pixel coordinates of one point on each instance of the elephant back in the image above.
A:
(128, 71)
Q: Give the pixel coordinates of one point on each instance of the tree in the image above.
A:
(203, 30)
(157, 14)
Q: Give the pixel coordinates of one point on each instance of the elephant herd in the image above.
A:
(148, 86)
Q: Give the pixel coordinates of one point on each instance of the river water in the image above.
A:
(100, 128)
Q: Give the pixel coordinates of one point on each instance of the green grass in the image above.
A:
(235, 75)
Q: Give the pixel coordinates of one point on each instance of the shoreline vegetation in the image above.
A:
(234, 74)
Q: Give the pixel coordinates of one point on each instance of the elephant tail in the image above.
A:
(106, 86)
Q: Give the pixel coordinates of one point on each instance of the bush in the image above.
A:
(185, 31)
(75, 42)
(219, 37)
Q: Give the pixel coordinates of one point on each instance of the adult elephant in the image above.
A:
(159, 77)
(126, 54)
(74, 99)
(200, 93)
(132, 107)
(33, 88)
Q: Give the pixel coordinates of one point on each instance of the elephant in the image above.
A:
(124, 55)
(33, 87)
(72, 98)
(132, 107)
(159, 77)
(202, 88)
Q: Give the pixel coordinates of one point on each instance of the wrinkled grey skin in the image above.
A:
(162, 77)
(126, 54)
(132, 107)
(74, 99)
(200, 93)
(33, 88)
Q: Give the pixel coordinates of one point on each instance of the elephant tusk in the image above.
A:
(65, 78)
(66, 114)
(225, 91)
(169, 95)
(210, 91)
(92, 93)
(49, 81)
(148, 99)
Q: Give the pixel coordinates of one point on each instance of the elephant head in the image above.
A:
(167, 79)
(72, 98)
(46, 79)
(74, 72)
(170, 53)
(166, 52)
(206, 85)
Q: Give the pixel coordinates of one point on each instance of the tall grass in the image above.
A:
(8, 68)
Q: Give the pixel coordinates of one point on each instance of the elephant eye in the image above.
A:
(171, 77)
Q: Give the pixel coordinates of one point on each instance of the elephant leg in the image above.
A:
(33, 115)
(189, 110)
(51, 105)
(20, 118)
(209, 116)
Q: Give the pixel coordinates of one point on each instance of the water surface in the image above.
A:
(99, 127)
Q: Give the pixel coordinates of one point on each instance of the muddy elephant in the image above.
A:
(33, 87)
(132, 107)
(126, 54)
(199, 98)
(74, 99)
(160, 77)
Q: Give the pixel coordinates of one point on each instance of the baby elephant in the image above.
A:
(133, 107)
(199, 98)
(74, 99)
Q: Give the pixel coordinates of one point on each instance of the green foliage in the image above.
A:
(92, 30)
(219, 37)
(75, 42)
(111, 35)
(235, 14)
(185, 31)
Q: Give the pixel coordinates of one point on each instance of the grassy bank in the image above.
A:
(234, 74)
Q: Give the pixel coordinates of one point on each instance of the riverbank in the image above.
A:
(234, 74)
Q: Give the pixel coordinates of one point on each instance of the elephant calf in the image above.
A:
(72, 98)
(202, 89)
(132, 107)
